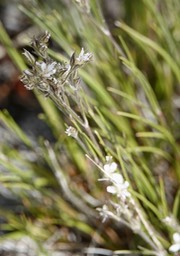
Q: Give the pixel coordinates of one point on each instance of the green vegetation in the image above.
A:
(121, 104)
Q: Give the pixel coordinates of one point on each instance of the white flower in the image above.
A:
(176, 246)
(119, 186)
(83, 57)
(110, 166)
(117, 178)
(111, 189)
(71, 131)
(47, 69)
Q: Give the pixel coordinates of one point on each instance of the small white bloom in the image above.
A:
(111, 189)
(47, 69)
(83, 57)
(121, 192)
(110, 167)
(71, 131)
(124, 194)
(117, 178)
(119, 186)
(176, 237)
(176, 246)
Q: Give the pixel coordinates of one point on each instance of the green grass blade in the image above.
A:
(148, 42)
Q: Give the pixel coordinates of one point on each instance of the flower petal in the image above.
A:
(111, 189)
(174, 248)
(176, 237)
(118, 178)
(110, 167)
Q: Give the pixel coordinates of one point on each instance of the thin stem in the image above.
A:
(107, 33)
(63, 107)
(148, 227)
(76, 202)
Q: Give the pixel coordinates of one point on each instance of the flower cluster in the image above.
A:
(175, 247)
(50, 77)
(41, 76)
(124, 209)
(83, 58)
(119, 186)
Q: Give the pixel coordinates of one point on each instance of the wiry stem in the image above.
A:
(75, 201)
